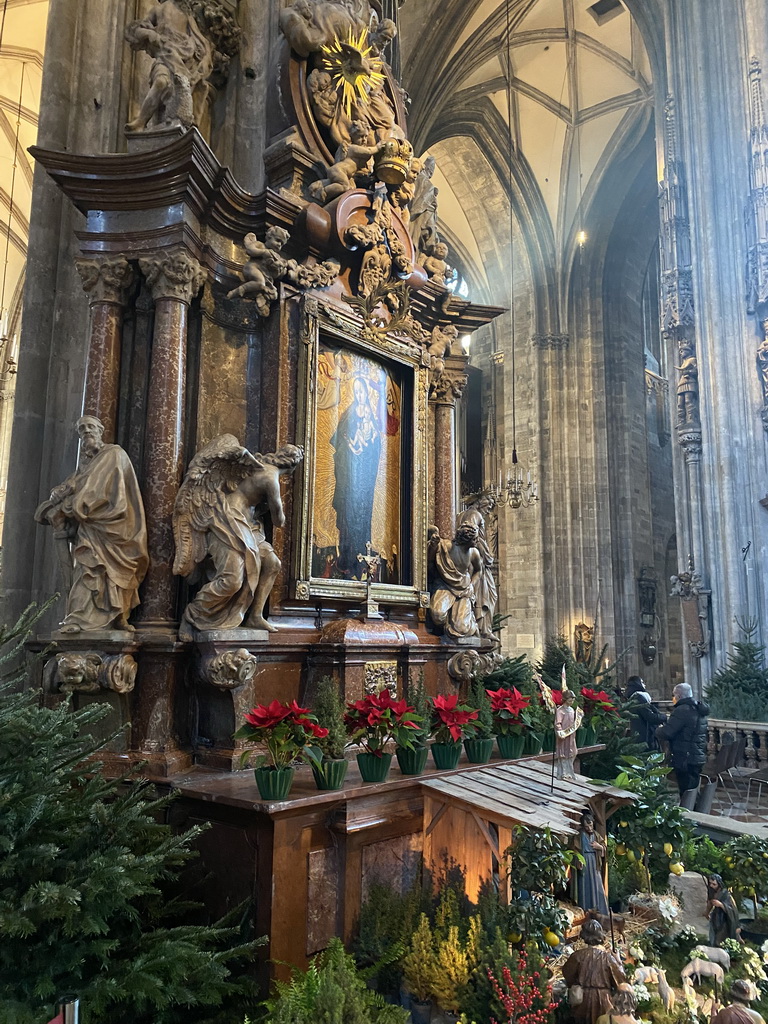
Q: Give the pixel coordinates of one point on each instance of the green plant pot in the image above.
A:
(413, 761)
(373, 768)
(586, 736)
(274, 783)
(330, 774)
(479, 750)
(446, 755)
(511, 746)
(532, 743)
(421, 1013)
(549, 741)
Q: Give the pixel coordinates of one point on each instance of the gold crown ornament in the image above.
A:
(393, 160)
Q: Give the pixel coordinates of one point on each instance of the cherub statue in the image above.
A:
(351, 159)
(441, 341)
(264, 267)
(182, 62)
(218, 526)
(435, 265)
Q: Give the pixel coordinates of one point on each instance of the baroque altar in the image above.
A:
(281, 371)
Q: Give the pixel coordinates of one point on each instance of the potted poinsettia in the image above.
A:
(286, 730)
(512, 720)
(599, 708)
(375, 722)
(450, 723)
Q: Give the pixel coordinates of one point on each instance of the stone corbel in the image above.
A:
(89, 672)
(228, 670)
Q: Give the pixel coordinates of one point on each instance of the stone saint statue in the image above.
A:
(98, 520)
(456, 565)
(592, 975)
(182, 62)
(688, 390)
(486, 591)
(423, 208)
(218, 526)
(738, 1010)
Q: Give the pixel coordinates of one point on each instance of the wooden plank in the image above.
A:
(493, 810)
(482, 825)
(501, 800)
(441, 811)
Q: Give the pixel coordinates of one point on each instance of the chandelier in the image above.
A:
(519, 490)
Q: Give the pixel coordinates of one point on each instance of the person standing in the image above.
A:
(645, 714)
(686, 733)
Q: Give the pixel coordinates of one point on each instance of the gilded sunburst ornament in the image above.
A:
(353, 67)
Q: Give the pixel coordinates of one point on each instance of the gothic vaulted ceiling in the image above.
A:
(22, 43)
(578, 78)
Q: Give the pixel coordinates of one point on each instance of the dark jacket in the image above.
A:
(646, 718)
(686, 732)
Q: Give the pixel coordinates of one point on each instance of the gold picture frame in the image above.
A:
(402, 577)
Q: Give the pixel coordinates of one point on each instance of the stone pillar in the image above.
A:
(448, 388)
(107, 282)
(174, 278)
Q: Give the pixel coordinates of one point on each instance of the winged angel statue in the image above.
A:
(218, 527)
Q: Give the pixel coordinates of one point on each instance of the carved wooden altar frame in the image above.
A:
(345, 327)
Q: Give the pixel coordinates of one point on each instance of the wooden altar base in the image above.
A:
(308, 861)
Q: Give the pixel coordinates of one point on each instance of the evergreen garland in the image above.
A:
(85, 870)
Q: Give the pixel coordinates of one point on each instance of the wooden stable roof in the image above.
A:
(524, 791)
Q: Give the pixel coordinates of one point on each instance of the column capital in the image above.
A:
(173, 274)
(449, 387)
(106, 278)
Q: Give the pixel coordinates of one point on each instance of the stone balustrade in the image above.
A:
(756, 751)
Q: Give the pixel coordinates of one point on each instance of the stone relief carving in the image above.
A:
(266, 265)
(694, 598)
(173, 274)
(218, 526)
(464, 666)
(89, 672)
(97, 515)
(449, 387)
(105, 279)
(456, 568)
(182, 63)
(229, 669)
(380, 675)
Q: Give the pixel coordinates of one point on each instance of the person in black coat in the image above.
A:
(646, 717)
(686, 733)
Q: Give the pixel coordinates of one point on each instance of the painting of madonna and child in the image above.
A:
(358, 458)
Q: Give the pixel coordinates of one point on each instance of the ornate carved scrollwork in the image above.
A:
(89, 672)
(229, 669)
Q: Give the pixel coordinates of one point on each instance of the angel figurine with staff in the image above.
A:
(568, 720)
(218, 527)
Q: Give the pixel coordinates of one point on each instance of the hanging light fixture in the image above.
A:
(518, 490)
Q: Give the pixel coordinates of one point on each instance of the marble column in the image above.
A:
(448, 388)
(106, 282)
(174, 278)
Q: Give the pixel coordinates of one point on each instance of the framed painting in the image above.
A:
(363, 498)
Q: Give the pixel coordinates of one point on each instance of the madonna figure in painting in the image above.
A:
(357, 451)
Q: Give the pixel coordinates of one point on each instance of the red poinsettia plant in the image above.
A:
(378, 719)
(510, 709)
(286, 730)
(599, 707)
(451, 722)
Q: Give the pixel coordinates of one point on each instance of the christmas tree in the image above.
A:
(740, 689)
(88, 882)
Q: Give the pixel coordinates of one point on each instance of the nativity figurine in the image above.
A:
(589, 891)
(568, 719)
(593, 976)
(97, 515)
(182, 62)
(738, 1010)
(219, 530)
(722, 912)
(623, 1009)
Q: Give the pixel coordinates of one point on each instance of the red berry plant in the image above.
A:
(524, 996)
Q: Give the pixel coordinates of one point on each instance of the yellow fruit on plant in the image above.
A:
(551, 939)
(668, 849)
(515, 937)
(622, 824)
(631, 856)
(677, 868)
(620, 849)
